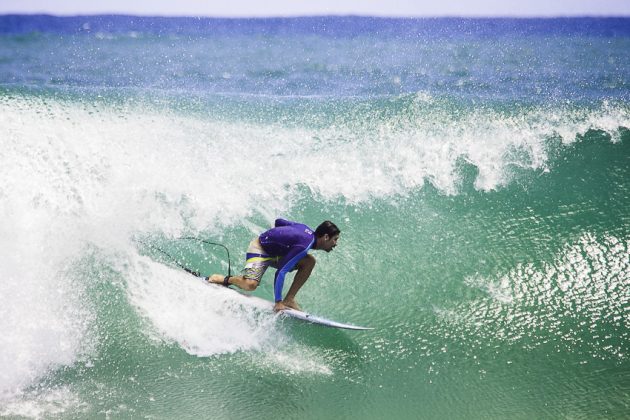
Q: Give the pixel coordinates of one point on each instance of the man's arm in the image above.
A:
(285, 265)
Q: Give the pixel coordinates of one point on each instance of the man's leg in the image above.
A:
(238, 281)
(304, 268)
(255, 266)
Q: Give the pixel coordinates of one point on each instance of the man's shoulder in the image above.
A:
(299, 235)
(301, 230)
(307, 230)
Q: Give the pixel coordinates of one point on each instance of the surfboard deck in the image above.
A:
(293, 313)
(318, 320)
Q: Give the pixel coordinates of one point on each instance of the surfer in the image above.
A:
(284, 247)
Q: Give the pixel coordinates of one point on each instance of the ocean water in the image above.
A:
(479, 170)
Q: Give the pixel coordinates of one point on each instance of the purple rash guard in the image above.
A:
(289, 240)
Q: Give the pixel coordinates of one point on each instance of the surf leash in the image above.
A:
(182, 266)
(173, 259)
(191, 238)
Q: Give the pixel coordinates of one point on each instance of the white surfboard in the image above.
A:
(305, 316)
(293, 313)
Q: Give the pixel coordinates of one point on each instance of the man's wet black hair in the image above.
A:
(327, 228)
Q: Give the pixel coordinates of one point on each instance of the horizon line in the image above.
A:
(298, 16)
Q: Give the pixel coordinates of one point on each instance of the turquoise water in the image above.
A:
(478, 170)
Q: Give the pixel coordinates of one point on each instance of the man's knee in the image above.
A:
(250, 285)
(307, 261)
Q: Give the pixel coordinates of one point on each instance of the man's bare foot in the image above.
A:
(279, 306)
(291, 303)
(216, 279)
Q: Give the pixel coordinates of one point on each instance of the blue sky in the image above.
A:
(255, 8)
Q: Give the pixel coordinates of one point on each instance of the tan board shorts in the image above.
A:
(257, 261)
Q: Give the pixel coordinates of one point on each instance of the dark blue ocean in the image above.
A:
(479, 170)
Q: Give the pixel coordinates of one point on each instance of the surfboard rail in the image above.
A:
(317, 320)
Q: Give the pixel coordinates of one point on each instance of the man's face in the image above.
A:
(329, 242)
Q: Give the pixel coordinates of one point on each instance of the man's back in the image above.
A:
(286, 235)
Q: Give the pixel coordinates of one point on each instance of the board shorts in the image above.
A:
(257, 261)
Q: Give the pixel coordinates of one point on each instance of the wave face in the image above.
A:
(479, 177)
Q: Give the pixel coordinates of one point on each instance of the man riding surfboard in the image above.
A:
(284, 247)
